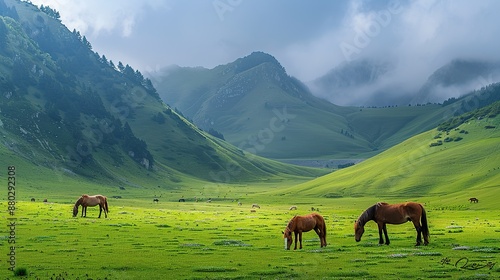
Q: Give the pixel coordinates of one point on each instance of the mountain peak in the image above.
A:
(253, 60)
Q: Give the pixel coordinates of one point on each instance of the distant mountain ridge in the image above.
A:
(348, 81)
(371, 82)
(240, 100)
(255, 104)
(456, 78)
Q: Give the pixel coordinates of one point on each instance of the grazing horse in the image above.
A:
(473, 199)
(299, 224)
(255, 206)
(293, 207)
(383, 213)
(155, 200)
(94, 200)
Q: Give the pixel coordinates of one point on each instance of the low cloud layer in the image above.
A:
(308, 37)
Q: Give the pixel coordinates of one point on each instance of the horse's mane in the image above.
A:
(79, 201)
(368, 214)
(290, 224)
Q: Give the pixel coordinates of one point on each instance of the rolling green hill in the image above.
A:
(65, 108)
(459, 161)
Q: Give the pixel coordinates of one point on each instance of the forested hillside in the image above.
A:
(66, 107)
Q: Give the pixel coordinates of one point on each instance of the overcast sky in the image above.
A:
(307, 37)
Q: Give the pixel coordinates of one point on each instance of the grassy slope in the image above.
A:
(385, 127)
(469, 167)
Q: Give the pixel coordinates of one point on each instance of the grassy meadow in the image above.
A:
(223, 240)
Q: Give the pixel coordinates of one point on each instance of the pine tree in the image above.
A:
(3, 35)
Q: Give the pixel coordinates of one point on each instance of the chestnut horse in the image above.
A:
(94, 200)
(299, 224)
(383, 213)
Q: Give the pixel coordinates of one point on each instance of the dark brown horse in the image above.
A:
(383, 213)
(91, 200)
(299, 224)
(473, 199)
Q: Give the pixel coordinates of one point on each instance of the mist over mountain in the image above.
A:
(357, 82)
(456, 78)
(368, 82)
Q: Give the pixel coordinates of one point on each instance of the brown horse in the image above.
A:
(94, 200)
(473, 199)
(383, 213)
(299, 224)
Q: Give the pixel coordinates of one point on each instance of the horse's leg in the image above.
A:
(319, 233)
(300, 237)
(380, 238)
(418, 228)
(387, 242)
(419, 236)
(100, 210)
(383, 227)
(322, 238)
(296, 237)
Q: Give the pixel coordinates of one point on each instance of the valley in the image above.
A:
(183, 154)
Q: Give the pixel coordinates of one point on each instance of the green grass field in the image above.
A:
(222, 240)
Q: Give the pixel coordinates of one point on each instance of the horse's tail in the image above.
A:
(324, 227)
(425, 225)
(323, 231)
(106, 204)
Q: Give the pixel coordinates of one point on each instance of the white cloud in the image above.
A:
(95, 17)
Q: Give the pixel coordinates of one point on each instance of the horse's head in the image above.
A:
(287, 234)
(358, 231)
(75, 211)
